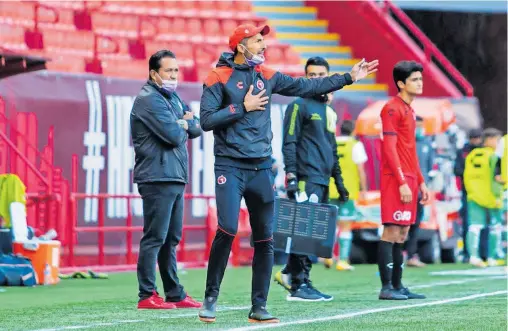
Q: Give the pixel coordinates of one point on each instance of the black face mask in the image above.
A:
(321, 98)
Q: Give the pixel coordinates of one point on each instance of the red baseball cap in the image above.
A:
(246, 31)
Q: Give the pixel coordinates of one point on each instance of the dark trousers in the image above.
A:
(256, 186)
(465, 223)
(162, 231)
(411, 244)
(299, 266)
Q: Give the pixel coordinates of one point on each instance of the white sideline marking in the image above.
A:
(451, 282)
(119, 322)
(455, 282)
(491, 271)
(369, 311)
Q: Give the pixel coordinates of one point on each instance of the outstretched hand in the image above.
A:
(362, 69)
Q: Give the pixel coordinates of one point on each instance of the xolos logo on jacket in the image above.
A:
(402, 216)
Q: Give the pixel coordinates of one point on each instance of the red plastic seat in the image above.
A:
(19, 14)
(225, 6)
(65, 63)
(195, 29)
(12, 37)
(228, 26)
(291, 56)
(56, 18)
(275, 54)
(183, 51)
(176, 30)
(78, 43)
(115, 25)
(113, 48)
(75, 5)
(134, 69)
(242, 6)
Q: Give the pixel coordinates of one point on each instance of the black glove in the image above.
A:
(343, 193)
(291, 187)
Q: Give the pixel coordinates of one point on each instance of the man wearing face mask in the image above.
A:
(425, 153)
(236, 105)
(160, 127)
(310, 158)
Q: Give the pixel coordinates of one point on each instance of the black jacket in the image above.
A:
(310, 145)
(244, 139)
(160, 144)
(460, 160)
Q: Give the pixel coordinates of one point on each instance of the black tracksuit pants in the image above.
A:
(257, 187)
(162, 231)
(299, 266)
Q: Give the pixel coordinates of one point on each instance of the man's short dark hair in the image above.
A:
(491, 132)
(404, 69)
(347, 128)
(243, 42)
(155, 60)
(317, 61)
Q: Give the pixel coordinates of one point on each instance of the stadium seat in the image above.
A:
(65, 63)
(113, 48)
(212, 30)
(134, 69)
(176, 29)
(183, 51)
(79, 43)
(12, 37)
(19, 14)
(75, 5)
(61, 19)
(115, 25)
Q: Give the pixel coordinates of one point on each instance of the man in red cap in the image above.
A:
(236, 105)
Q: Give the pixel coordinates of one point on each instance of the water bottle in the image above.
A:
(313, 198)
(47, 275)
(50, 235)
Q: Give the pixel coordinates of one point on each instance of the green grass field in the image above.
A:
(455, 302)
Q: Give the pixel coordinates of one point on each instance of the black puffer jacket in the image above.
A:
(160, 144)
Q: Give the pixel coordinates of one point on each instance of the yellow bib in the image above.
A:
(12, 190)
(349, 170)
(479, 178)
(504, 159)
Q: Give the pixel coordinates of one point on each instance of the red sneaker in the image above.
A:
(155, 302)
(188, 302)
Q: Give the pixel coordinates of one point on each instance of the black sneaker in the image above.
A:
(258, 314)
(410, 295)
(391, 294)
(304, 293)
(207, 312)
(325, 297)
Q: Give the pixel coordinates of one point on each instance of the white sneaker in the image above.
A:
(492, 262)
(477, 262)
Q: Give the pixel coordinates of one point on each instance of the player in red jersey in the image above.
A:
(401, 179)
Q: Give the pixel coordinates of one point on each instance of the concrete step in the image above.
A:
(258, 3)
(309, 39)
(328, 52)
(300, 26)
(287, 13)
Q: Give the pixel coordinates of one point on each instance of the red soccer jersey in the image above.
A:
(398, 147)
